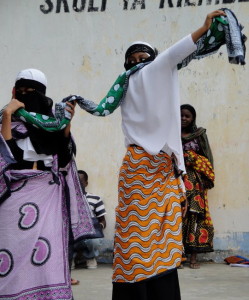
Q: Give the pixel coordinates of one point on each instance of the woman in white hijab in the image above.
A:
(148, 238)
(36, 225)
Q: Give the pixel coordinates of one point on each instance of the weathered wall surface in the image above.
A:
(80, 46)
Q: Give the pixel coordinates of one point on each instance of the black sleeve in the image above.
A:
(65, 151)
(15, 150)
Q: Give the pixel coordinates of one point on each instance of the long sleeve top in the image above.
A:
(151, 109)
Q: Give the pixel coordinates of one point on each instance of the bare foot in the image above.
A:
(193, 261)
(74, 281)
(194, 265)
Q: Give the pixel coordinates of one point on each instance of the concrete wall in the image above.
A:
(80, 46)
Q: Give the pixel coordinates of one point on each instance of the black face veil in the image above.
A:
(139, 47)
(35, 101)
(44, 142)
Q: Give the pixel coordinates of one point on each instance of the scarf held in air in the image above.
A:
(224, 30)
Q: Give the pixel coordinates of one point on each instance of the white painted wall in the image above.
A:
(82, 53)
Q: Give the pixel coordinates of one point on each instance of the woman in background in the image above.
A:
(198, 228)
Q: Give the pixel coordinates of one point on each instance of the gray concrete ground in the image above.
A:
(212, 281)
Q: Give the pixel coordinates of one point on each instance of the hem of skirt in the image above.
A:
(146, 279)
(189, 250)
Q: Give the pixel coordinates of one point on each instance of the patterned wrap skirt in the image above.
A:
(148, 236)
(198, 229)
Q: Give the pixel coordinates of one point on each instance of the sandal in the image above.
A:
(74, 281)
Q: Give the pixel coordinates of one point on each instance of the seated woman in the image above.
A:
(37, 209)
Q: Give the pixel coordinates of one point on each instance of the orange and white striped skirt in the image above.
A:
(148, 235)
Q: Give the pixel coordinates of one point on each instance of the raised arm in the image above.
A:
(204, 28)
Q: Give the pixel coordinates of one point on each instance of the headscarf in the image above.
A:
(43, 142)
(192, 127)
(35, 101)
(139, 46)
(197, 133)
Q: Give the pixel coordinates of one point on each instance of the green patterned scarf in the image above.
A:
(224, 30)
(62, 118)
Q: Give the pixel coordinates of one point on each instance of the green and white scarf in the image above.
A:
(224, 30)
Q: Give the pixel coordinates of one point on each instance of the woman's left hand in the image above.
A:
(70, 108)
(210, 16)
(209, 19)
(185, 209)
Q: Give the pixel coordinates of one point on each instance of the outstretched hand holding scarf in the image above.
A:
(224, 30)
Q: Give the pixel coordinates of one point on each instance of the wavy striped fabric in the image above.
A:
(148, 237)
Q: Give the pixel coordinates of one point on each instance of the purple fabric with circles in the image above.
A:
(34, 239)
(34, 228)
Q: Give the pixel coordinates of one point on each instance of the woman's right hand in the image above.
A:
(13, 106)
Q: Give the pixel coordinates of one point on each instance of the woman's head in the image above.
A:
(139, 52)
(30, 88)
(188, 118)
(32, 78)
